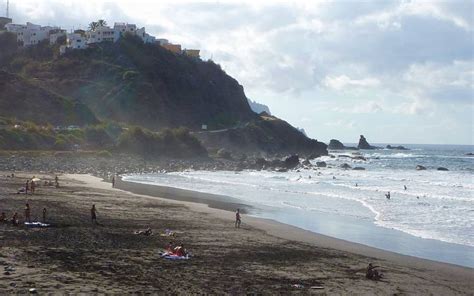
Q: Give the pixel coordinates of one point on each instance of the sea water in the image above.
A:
(437, 207)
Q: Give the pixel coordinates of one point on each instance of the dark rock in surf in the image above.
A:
(358, 169)
(363, 144)
(396, 147)
(420, 168)
(442, 169)
(292, 161)
(345, 166)
(321, 164)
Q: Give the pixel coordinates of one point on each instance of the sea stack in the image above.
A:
(363, 144)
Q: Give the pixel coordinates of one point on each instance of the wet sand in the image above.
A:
(265, 257)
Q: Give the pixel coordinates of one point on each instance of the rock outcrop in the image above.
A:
(442, 169)
(420, 168)
(336, 145)
(321, 164)
(363, 144)
(400, 147)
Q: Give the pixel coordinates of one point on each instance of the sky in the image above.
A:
(394, 71)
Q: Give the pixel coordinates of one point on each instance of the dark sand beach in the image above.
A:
(262, 257)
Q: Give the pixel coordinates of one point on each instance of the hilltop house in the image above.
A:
(30, 34)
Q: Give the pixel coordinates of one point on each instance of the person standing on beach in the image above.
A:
(237, 219)
(93, 215)
(56, 181)
(27, 186)
(44, 215)
(27, 213)
(33, 186)
(405, 187)
(113, 182)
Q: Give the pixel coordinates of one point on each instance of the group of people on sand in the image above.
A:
(30, 185)
(177, 250)
(15, 219)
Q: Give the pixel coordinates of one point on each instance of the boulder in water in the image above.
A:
(345, 166)
(442, 169)
(359, 157)
(292, 161)
(306, 162)
(358, 169)
(321, 164)
(420, 168)
(396, 147)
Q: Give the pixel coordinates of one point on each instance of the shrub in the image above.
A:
(104, 154)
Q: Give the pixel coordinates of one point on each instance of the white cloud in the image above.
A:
(342, 82)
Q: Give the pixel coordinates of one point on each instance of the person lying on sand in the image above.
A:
(146, 232)
(372, 273)
(21, 190)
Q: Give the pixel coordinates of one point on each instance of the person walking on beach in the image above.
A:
(27, 213)
(27, 186)
(56, 181)
(94, 215)
(33, 187)
(237, 219)
(113, 182)
(44, 215)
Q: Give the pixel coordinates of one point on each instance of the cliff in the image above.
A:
(267, 134)
(138, 84)
(143, 85)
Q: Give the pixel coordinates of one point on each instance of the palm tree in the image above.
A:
(102, 23)
(93, 26)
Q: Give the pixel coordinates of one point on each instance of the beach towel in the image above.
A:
(36, 224)
(171, 256)
(176, 257)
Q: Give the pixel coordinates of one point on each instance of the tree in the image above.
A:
(101, 23)
(93, 26)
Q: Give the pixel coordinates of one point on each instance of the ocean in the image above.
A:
(432, 218)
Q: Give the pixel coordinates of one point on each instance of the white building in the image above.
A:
(76, 41)
(30, 34)
(162, 42)
(101, 34)
(53, 37)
